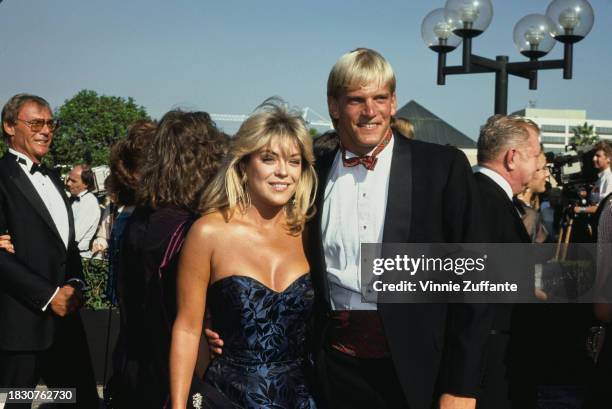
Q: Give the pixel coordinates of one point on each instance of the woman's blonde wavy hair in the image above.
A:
(271, 121)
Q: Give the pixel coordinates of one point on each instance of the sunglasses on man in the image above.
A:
(36, 125)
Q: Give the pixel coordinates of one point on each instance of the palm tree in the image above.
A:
(584, 135)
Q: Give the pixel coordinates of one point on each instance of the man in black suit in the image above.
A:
(508, 150)
(377, 186)
(41, 333)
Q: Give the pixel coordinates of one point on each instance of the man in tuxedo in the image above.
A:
(377, 186)
(508, 151)
(41, 333)
(85, 206)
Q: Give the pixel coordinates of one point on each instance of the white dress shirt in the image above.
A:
(86, 213)
(603, 186)
(353, 212)
(52, 199)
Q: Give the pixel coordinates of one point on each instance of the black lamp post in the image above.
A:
(566, 21)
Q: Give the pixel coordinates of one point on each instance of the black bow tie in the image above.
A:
(39, 167)
(74, 199)
(36, 167)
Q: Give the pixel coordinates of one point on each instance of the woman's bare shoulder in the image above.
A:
(209, 225)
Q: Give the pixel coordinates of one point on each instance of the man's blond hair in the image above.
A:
(359, 68)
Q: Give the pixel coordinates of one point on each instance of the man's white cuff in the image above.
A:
(50, 299)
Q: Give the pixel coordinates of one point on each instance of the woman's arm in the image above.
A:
(192, 281)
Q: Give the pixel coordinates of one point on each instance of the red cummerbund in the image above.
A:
(358, 333)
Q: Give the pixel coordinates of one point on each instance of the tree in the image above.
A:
(89, 125)
(584, 135)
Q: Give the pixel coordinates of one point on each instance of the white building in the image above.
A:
(557, 126)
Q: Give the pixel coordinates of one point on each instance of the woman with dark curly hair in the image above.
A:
(126, 160)
(185, 153)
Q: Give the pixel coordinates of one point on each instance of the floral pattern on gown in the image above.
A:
(264, 362)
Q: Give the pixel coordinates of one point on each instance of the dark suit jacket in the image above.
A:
(431, 199)
(504, 226)
(41, 263)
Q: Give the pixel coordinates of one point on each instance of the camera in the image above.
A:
(574, 173)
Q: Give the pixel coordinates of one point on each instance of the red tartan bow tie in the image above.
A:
(368, 161)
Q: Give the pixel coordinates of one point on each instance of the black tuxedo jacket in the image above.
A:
(503, 221)
(504, 225)
(40, 264)
(431, 199)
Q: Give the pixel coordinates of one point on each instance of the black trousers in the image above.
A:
(66, 364)
(356, 383)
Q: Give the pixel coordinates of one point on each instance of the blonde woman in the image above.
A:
(244, 259)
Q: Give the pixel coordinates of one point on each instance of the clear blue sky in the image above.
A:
(228, 56)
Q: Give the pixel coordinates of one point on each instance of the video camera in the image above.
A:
(573, 171)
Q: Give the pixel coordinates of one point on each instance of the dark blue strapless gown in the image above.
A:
(264, 362)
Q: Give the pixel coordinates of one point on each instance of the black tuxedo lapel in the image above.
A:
(24, 185)
(324, 164)
(315, 248)
(398, 213)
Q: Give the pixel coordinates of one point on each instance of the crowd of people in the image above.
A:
(254, 243)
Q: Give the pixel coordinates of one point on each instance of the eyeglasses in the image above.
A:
(37, 125)
(546, 169)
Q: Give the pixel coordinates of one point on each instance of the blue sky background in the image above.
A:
(228, 56)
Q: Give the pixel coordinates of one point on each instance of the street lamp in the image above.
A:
(532, 36)
(470, 17)
(565, 21)
(437, 33)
